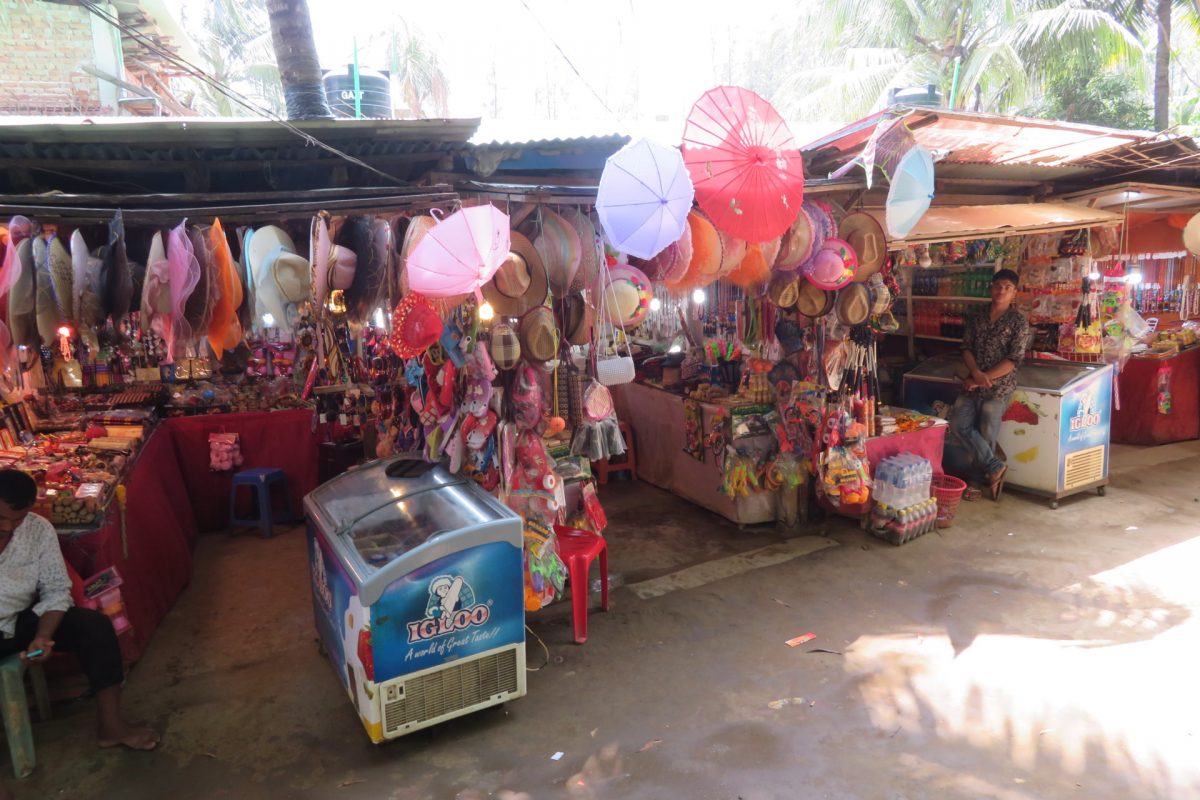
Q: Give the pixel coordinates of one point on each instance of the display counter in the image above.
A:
(1141, 419)
(656, 417)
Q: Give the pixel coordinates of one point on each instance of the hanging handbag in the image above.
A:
(616, 369)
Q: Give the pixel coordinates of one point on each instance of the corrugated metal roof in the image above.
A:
(546, 133)
(971, 138)
(948, 223)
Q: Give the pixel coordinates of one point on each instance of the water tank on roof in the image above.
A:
(375, 92)
(927, 95)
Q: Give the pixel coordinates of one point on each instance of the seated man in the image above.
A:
(993, 347)
(36, 615)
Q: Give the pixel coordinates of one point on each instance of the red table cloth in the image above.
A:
(160, 529)
(1138, 420)
(926, 442)
(277, 439)
(172, 496)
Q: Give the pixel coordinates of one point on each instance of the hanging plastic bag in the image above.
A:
(224, 452)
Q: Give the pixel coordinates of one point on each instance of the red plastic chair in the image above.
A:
(628, 461)
(578, 548)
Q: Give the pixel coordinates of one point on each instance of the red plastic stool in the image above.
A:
(628, 461)
(578, 548)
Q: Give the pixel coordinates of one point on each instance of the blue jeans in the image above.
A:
(976, 421)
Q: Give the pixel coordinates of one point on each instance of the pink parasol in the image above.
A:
(460, 253)
(744, 164)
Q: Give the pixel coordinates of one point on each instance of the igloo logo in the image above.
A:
(451, 608)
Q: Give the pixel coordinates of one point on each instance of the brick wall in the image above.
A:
(43, 47)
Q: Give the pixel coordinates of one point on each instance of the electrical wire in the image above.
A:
(570, 64)
(234, 95)
(545, 649)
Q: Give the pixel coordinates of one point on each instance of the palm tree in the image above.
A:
(415, 70)
(235, 43)
(296, 55)
(980, 53)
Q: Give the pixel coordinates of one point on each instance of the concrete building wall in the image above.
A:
(43, 50)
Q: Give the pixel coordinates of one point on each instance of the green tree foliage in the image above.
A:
(1083, 91)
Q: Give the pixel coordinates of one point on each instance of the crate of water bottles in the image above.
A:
(903, 508)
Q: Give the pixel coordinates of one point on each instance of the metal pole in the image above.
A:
(358, 92)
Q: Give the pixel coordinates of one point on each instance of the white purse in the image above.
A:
(616, 369)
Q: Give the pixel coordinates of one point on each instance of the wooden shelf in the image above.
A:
(941, 298)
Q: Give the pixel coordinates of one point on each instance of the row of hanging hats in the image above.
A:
(185, 282)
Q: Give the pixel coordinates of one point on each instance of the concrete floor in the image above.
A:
(1022, 654)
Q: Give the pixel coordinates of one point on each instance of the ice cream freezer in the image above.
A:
(1055, 432)
(417, 593)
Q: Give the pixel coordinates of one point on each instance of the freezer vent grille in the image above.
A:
(455, 688)
(1083, 467)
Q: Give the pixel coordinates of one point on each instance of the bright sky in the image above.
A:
(648, 60)
(642, 63)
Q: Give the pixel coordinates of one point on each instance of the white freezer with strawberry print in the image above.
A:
(1055, 433)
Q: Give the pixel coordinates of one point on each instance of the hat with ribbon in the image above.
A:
(521, 282)
(539, 334)
(415, 326)
(281, 276)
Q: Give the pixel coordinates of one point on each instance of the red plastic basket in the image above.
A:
(949, 491)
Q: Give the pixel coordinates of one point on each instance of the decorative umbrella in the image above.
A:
(910, 193)
(744, 164)
(460, 253)
(644, 198)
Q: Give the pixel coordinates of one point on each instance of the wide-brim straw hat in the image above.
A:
(797, 242)
(671, 265)
(558, 244)
(854, 304)
(539, 334)
(589, 252)
(784, 289)
(733, 250)
(575, 318)
(814, 302)
(521, 282)
(865, 235)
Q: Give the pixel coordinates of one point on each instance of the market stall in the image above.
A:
(1160, 398)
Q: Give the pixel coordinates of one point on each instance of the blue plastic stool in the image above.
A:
(15, 710)
(260, 481)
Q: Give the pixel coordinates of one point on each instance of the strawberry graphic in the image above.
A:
(1022, 411)
(365, 654)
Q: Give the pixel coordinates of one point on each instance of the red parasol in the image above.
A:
(744, 164)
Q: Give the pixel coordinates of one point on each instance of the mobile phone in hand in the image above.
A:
(34, 653)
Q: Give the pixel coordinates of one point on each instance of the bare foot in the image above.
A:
(135, 737)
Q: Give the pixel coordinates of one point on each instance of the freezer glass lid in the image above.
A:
(394, 529)
(1051, 377)
(944, 367)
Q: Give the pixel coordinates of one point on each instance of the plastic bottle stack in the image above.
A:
(903, 507)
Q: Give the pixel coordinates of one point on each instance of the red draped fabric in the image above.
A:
(1138, 421)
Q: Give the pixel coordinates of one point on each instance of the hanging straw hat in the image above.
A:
(281, 276)
(589, 256)
(521, 281)
(853, 304)
(865, 235)
(797, 245)
(539, 335)
(627, 298)
(784, 289)
(558, 243)
(575, 317)
(413, 234)
(814, 302)
(672, 263)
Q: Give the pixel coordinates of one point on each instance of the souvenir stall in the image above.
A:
(1159, 384)
(753, 320)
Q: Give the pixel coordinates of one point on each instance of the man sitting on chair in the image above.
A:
(36, 615)
(993, 347)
